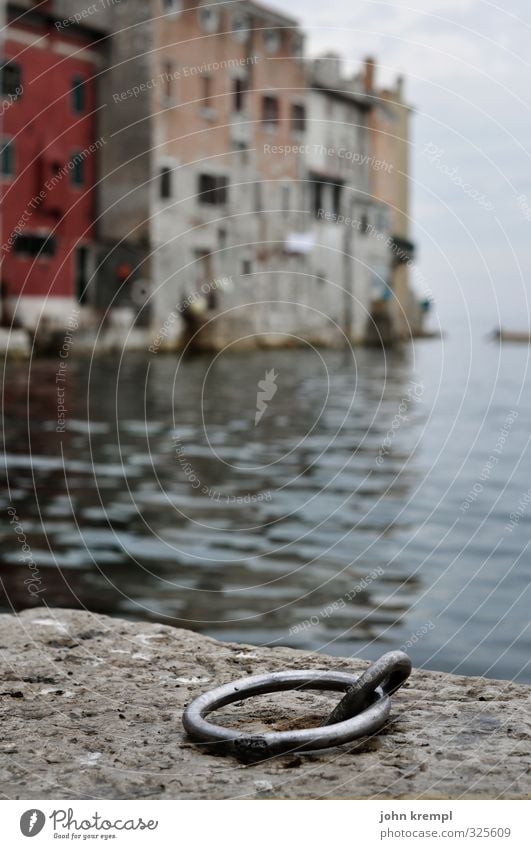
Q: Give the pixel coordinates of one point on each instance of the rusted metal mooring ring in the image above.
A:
(363, 710)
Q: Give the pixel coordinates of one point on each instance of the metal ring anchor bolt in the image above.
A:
(364, 709)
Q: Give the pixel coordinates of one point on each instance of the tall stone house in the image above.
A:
(48, 156)
(339, 162)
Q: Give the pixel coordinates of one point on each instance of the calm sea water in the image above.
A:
(368, 509)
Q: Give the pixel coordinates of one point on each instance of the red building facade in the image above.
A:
(48, 166)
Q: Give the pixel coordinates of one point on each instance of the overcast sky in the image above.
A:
(467, 64)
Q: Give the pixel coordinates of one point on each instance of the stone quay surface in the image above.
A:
(91, 708)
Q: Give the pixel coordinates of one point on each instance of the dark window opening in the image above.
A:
(336, 198)
(213, 189)
(7, 155)
(317, 198)
(270, 110)
(34, 245)
(212, 299)
(239, 90)
(78, 95)
(82, 276)
(11, 80)
(78, 170)
(364, 223)
(298, 118)
(207, 91)
(167, 77)
(326, 198)
(165, 183)
(247, 266)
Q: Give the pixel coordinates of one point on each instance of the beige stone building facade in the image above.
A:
(340, 160)
(234, 106)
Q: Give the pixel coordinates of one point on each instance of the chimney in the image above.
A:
(369, 74)
(327, 70)
(400, 88)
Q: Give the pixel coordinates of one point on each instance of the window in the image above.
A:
(298, 118)
(78, 95)
(34, 244)
(209, 18)
(364, 223)
(326, 197)
(11, 79)
(207, 90)
(7, 154)
(317, 197)
(213, 189)
(77, 171)
(167, 79)
(81, 272)
(337, 190)
(239, 90)
(247, 266)
(165, 183)
(212, 299)
(270, 110)
(272, 41)
(172, 7)
(298, 46)
(243, 150)
(241, 25)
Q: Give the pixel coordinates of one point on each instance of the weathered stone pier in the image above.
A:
(91, 708)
